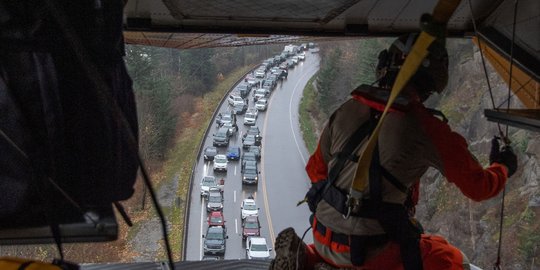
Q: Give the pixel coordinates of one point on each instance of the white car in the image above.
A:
(302, 56)
(261, 104)
(220, 163)
(250, 118)
(234, 100)
(249, 208)
(260, 73)
(295, 59)
(257, 248)
(207, 182)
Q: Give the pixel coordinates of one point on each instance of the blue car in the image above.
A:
(233, 153)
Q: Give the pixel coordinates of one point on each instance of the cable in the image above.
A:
(298, 248)
(483, 63)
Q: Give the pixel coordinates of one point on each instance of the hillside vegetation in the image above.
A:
(443, 210)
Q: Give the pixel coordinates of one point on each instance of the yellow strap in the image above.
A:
(11, 263)
(442, 12)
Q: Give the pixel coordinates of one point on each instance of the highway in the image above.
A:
(282, 182)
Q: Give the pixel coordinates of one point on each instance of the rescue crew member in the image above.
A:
(411, 140)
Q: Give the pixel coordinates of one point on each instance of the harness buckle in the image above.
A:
(353, 202)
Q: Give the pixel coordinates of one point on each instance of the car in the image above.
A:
(248, 163)
(284, 73)
(302, 56)
(248, 141)
(248, 156)
(243, 89)
(256, 150)
(233, 128)
(251, 227)
(260, 93)
(209, 153)
(248, 208)
(295, 59)
(284, 65)
(253, 130)
(290, 63)
(261, 104)
(257, 248)
(235, 99)
(251, 117)
(208, 182)
(215, 218)
(214, 241)
(221, 137)
(220, 163)
(250, 173)
(223, 118)
(239, 109)
(215, 200)
(233, 153)
(260, 73)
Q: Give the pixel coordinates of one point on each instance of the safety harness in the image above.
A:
(393, 218)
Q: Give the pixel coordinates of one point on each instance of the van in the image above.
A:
(235, 99)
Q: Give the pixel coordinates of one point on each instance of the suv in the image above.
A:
(250, 173)
(249, 208)
(221, 137)
(257, 248)
(239, 108)
(214, 241)
(254, 130)
(215, 200)
(249, 141)
(250, 118)
(235, 99)
(220, 163)
(251, 227)
(256, 150)
(243, 89)
(248, 156)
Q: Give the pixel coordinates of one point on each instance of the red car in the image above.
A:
(251, 227)
(216, 219)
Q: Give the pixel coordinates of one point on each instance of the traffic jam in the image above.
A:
(245, 104)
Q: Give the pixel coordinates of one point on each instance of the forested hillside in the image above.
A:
(443, 210)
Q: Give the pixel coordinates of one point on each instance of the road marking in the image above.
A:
(290, 118)
(234, 169)
(236, 225)
(205, 167)
(201, 231)
(265, 193)
(234, 195)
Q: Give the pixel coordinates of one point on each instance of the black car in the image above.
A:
(255, 150)
(221, 137)
(250, 173)
(214, 241)
(209, 153)
(248, 141)
(215, 200)
(254, 130)
(248, 156)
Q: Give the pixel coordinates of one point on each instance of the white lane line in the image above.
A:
(236, 225)
(235, 195)
(290, 117)
(205, 167)
(201, 231)
(234, 169)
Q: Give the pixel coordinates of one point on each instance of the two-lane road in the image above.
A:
(282, 182)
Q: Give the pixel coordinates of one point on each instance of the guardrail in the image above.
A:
(195, 163)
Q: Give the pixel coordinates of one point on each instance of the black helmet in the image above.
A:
(431, 76)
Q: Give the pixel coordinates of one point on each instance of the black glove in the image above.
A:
(495, 154)
(509, 159)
